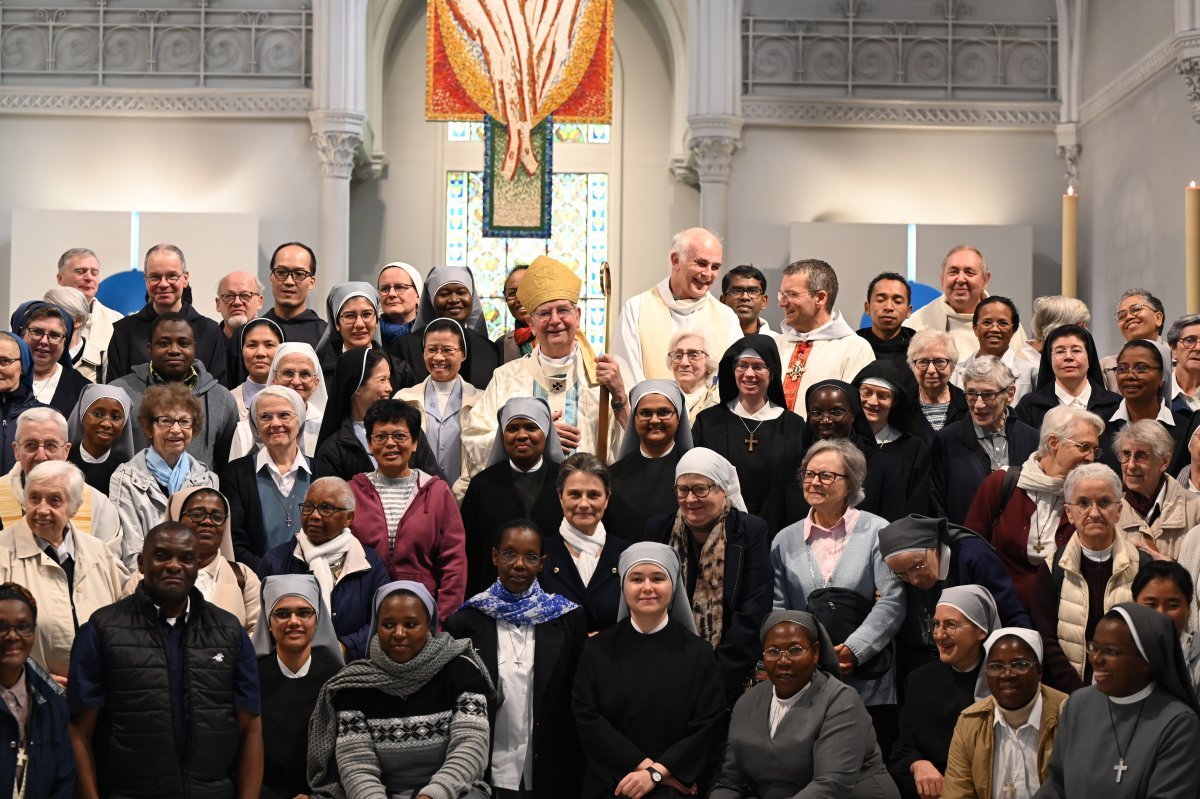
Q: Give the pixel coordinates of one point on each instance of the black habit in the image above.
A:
(600, 597)
(726, 433)
(934, 696)
(287, 704)
(641, 488)
(482, 356)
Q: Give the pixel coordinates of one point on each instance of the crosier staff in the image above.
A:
(602, 432)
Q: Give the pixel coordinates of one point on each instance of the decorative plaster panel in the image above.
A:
(1128, 81)
(158, 102)
(899, 113)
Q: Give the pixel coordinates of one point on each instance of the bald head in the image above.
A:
(239, 299)
(696, 257)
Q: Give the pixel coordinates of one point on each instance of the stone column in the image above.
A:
(713, 153)
(338, 118)
(1186, 46)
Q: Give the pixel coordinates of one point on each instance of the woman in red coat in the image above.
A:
(409, 517)
(1021, 511)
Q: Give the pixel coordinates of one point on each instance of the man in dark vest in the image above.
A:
(153, 680)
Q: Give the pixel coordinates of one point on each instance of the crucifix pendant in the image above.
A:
(1009, 791)
(1038, 546)
(750, 442)
(521, 662)
(288, 519)
(1120, 768)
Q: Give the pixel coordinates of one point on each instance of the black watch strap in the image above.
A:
(655, 774)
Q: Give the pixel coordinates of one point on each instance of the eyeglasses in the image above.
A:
(1140, 458)
(1135, 310)
(1083, 448)
(791, 296)
(562, 312)
(350, 317)
(398, 288)
(198, 515)
(948, 627)
(996, 668)
(1104, 503)
(835, 414)
(291, 374)
(281, 274)
(53, 336)
(171, 278)
(911, 571)
(114, 417)
(24, 629)
(324, 510)
(442, 352)
(51, 447)
(986, 396)
(999, 324)
(871, 392)
(267, 417)
(925, 363)
(399, 436)
(167, 422)
(1137, 368)
(529, 558)
(6, 362)
(647, 414)
(284, 614)
(1190, 342)
(1076, 351)
(792, 652)
(699, 490)
(824, 478)
(741, 367)
(243, 297)
(690, 355)
(1104, 651)
(753, 292)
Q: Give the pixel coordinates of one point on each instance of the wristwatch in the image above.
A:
(655, 774)
(617, 404)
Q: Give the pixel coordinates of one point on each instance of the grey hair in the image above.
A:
(586, 463)
(73, 301)
(1056, 310)
(165, 248)
(345, 495)
(852, 461)
(681, 241)
(42, 414)
(60, 470)
(72, 254)
(1092, 471)
(1060, 421)
(710, 360)
(820, 277)
(258, 286)
(924, 338)
(988, 367)
(1177, 327)
(961, 248)
(1148, 432)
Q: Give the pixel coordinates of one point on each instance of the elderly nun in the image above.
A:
(939, 690)
(647, 698)
(724, 553)
(1135, 732)
(519, 482)
(1002, 743)
(644, 470)
(297, 653)
(100, 430)
(450, 294)
(827, 746)
(297, 367)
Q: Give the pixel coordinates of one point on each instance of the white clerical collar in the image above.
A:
(766, 412)
(646, 454)
(657, 627)
(557, 363)
(887, 435)
(87, 457)
(298, 462)
(1164, 414)
(1134, 698)
(791, 700)
(1067, 398)
(1097, 555)
(295, 675)
(531, 469)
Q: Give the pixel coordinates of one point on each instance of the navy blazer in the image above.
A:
(749, 585)
(553, 737)
(960, 465)
(600, 597)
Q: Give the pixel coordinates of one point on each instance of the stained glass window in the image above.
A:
(564, 132)
(579, 239)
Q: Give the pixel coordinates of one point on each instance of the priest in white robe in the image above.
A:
(965, 279)
(815, 343)
(680, 301)
(562, 369)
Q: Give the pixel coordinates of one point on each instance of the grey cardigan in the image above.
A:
(861, 569)
(824, 747)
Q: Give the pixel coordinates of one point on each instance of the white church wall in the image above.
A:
(172, 165)
(874, 175)
(1118, 33)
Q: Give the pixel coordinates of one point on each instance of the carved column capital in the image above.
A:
(1189, 68)
(337, 150)
(1070, 156)
(713, 156)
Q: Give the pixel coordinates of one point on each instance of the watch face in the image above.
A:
(654, 775)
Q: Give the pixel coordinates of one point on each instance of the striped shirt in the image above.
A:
(936, 412)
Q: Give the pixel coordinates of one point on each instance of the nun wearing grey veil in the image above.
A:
(648, 688)
(802, 732)
(450, 293)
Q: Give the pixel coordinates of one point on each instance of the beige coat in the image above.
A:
(242, 602)
(1073, 601)
(1180, 513)
(969, 765)
(97, 516)
(98, 578)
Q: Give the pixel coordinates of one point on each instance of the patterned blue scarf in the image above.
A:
(534, 606)
(171, 478)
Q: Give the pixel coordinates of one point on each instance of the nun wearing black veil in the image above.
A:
(751, 425)
(803, 732)
(1135, 733)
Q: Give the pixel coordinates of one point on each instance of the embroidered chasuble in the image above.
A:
(827, 359)
(656, 326)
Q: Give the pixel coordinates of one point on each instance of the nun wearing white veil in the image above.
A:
(725, 556)
(647, 697)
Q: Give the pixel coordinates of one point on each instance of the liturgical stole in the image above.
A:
(656, 326)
